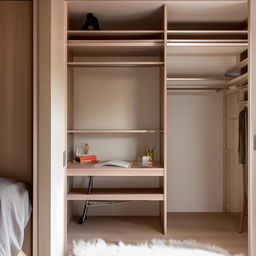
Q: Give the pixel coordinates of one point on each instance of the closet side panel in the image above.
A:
(252, 128)
(58, 126)
(195, 156)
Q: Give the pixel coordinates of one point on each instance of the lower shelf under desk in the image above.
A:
(89, 169)
(117, 194)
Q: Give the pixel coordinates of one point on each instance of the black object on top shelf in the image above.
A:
(92, 23)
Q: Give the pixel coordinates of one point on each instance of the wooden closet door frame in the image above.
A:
(252, 130)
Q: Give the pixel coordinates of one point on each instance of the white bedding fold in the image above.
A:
(15, 210)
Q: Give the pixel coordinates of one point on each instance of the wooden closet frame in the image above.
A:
(159, 170)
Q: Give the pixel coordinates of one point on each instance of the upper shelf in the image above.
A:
(190, 48)
(115, 47)
(114, 131)
(116, 34)
(115, 64)
(207, 32)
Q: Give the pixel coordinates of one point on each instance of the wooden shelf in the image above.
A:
(114, 43)
(207, 42)
(115, 64)
(76, 131)
(115, 47)
(237, 67)
(198, 78)
(238, 80)
(116, 194)
(206, 49)
(113, 33)
(89, 169)
(207, 32)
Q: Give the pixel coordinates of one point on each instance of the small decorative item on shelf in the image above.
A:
(82, 149)
(92, 23)
(151, 154)
(82, 154)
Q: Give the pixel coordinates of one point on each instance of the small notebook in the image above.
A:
(115, 163)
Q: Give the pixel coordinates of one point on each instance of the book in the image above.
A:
(87, 159)
(115, 163)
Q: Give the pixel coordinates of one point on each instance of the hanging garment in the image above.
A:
(243, 136)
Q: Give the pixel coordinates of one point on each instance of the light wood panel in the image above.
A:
(206, 49)
(115, 64)
(113, 33)
(112, 131)
(163, 180)
(113, 43)
(197, 78)
(207, 32)
(114, 194)
(252, 128)
(89, 169)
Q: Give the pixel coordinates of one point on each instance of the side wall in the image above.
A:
(16, 95)
(16, 89)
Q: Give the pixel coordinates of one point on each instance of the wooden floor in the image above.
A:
(213, 228)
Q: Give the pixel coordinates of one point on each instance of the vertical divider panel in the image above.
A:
(67, 204)
(163, 93)
(252, 130)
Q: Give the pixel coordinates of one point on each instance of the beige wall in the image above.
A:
(195, 155)
(16, 90)
(16, 95)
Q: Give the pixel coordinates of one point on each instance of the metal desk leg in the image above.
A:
(87, 203)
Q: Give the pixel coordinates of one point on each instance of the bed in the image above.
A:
(15, 211)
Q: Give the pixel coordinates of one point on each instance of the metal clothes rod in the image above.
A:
(195, 89)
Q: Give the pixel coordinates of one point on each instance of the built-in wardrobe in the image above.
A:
(169, 76)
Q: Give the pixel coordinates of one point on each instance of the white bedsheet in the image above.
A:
(15, 210)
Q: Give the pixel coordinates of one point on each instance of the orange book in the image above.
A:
(87, 159)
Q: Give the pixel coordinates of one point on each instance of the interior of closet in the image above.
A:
(155, 68)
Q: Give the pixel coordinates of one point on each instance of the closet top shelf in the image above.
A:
(114, 33)
(206, 49)
(113, 43)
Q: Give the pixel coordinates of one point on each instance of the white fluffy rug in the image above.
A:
(153, 248)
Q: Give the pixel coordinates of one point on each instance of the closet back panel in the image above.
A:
(195, 156)
(126, 98)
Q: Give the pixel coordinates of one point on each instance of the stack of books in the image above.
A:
(87, 159)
